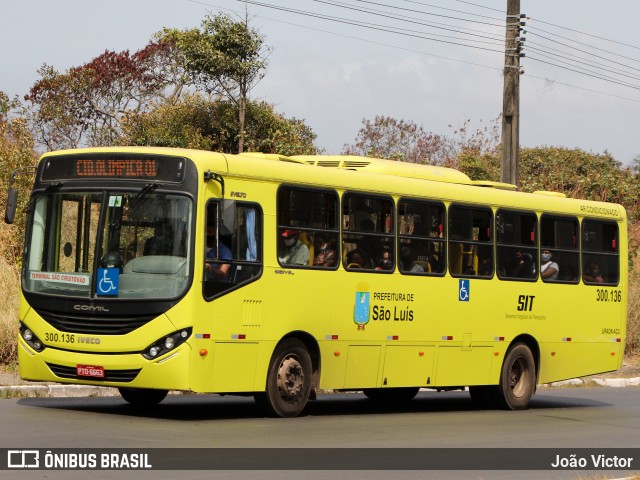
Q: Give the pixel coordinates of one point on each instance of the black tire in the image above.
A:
(484, 396)
(517, 379)
(143, 397)
(288, 381)
(398, 394)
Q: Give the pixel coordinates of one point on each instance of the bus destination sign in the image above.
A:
(117, 168)
(133, 167)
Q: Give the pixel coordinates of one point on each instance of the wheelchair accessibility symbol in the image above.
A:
(463, 291)
(108, 282)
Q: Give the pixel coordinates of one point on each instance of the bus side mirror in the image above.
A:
(12, 205)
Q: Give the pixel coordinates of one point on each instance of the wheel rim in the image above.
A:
(519, 377)
(290, 377)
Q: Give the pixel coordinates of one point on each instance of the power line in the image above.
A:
(546, 80)
(481, 6)
(529, 28)
(436, 25)
(450, 9)
(457, 60)
(351, 37)
(584, 73)
(355, 23)
(585, 33)
(423, 12)
(576, 59)
(433, 24)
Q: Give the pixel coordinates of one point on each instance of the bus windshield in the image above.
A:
(136, 242)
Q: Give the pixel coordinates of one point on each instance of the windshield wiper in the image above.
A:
(51, 188)
(133, 205)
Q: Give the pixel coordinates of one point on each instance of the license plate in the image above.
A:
(93, 371)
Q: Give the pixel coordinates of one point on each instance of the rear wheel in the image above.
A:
(288, 380)
(400, 394)
(143, 397)
(517, 379)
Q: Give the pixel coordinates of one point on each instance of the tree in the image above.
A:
(203, 123)
(387, 137)
(580, 174)
(225, 57)
(16, 151)
(86, 105)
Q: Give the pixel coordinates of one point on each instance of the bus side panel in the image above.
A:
(363, 365)
(234, 366)
(558, 360)
(408, 366)
(461, 366)
(334, 364)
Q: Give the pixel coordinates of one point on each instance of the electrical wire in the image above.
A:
(532, 46)
(434, 24)
(635, 87)
(355, 23)
(481, 6)
(529, 28)
(584, 33)
(436, 6)
(531, 76)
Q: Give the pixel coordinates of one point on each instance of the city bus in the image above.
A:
(154, 270)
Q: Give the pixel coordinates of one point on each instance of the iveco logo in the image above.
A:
(94, 340)
(91, 308)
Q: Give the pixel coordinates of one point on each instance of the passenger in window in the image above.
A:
(356, 259)
(592, 274)
(294, 251)
(549, 269)
(485, 266)
(521, 266)
(435, 263)
(216, 271)
(162, 242)
(385, 263)
(325, 252)
(370, 245)
(408, 263)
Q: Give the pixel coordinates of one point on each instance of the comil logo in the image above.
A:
(23, 459)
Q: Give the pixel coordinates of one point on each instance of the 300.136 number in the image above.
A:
(604, 295)
(59, 337)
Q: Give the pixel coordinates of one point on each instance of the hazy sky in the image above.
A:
(333, 74)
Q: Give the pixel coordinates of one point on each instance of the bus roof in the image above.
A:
(389, 167)
(398, 177)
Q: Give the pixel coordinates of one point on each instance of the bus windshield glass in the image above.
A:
(110, 244)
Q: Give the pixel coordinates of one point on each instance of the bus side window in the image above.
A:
(517, 252)
(559, 238)
(368, 232)
(308, 228)
(600, 254)
(421, 237)
(470, 241)
(233, 246)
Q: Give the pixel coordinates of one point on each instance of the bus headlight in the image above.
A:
(166, 343)
(32, 340)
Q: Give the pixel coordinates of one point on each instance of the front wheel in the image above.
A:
(517, 379)
(143, 397)
(288, 380)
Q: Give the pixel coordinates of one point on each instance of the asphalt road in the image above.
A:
(563, 418)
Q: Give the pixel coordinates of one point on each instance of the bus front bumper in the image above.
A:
(114, 370)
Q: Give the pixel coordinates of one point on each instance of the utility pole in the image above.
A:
(510, 166)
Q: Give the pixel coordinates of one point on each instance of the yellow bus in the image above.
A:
(152, 270)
